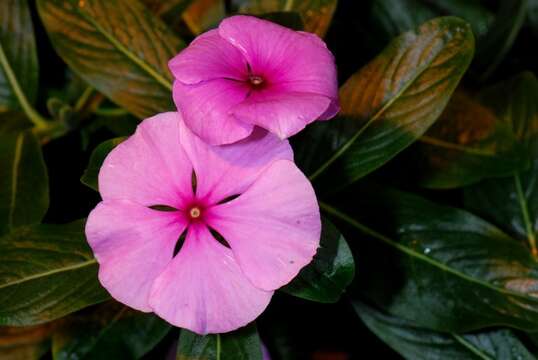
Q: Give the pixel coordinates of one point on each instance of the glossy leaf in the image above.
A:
(511, 203)
(443, 268)
(25, 343)
(46, 271)
(416, 343)
(491, 136)
(393, 17)
(118, 47)
(24, 193)
(91, 174)
(242, 344)
(394, 99)
(331, 271)
(112, 331)
(316, 14)
(18, 55)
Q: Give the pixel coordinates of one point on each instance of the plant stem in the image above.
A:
(30, 112)
(83, 99)
(525, 212)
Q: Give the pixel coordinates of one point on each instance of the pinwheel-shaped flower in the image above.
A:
(253, 72)
(250, 221)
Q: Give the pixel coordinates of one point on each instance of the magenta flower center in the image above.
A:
(195, 212)
(255, 80)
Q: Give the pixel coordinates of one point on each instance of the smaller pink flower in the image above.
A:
(252, 72)
(251, 193)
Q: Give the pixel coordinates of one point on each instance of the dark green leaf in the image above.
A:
(444, 268)
(416, 343)
(331, 271)
(532, 13)
(291, 19)
(18, 56)
(316, 14)
(24, 192)
(46, 271)
(394, 99)
(118, 47)
(393, 17)
(90, 176)
(494, 135)
(112, 331)
(493, 46)
(242, 344)
(512, 203)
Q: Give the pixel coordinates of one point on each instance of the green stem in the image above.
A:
(525, 212)
(33, 115)
(218, 347)
(111, 112)
(83, 99)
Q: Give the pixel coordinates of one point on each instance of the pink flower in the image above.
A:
(251, 193)
(253, 72)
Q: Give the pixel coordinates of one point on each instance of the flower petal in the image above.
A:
(204, 290)
(297, 61)
(283, 114)
(206, 109)
(274, 227)
(150, 167)
(208, 57)
(133, 245)
(227, 170)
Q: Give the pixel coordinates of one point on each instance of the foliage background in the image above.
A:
(449, 285)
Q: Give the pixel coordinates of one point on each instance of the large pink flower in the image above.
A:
(251, 193)
(253, 72)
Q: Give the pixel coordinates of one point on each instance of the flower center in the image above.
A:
(195, 212)
(255, 80)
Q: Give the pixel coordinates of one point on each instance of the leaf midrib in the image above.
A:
(469, 346)
(48, 273)
(376, 116)
(15, 177)
(433, 262)
(124, 50)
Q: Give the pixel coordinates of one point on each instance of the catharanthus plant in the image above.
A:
(251, 72)
(201, 235)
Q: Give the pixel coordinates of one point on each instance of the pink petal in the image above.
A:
(227, 170)
(150, 167)
(133, 245)
(296, 61)
(208, 57)
(206, 109)
(283, 114)
(274, 227)
(204, 290)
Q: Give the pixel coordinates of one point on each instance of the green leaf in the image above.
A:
(91, 174)
(443, 268)
(18, 55)
(242, 344)
(392, 17)
(46, 272)
(491, 136)
(316, 14)
(112, 331)
(416, 343)
(511, 203)
(116, 46)
(532, 13)
(493, 46)
(394, 99)
(329, 273)
(24, 192)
